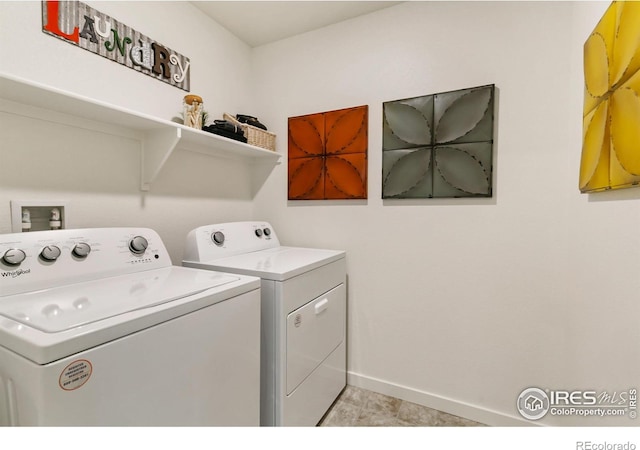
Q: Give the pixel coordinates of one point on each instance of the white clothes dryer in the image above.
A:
(303, 355)
(98, 328)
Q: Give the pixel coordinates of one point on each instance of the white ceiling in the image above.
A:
(261, 22)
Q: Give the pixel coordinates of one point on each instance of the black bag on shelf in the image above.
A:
(250, 120)
(226, 129)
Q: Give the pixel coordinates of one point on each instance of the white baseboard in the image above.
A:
(447, 405)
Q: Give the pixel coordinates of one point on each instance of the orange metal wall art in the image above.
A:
(328, 155)
(611, 117)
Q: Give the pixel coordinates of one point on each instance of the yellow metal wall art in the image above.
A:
(611, 118)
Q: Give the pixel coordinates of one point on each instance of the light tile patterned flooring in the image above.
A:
(360, 407)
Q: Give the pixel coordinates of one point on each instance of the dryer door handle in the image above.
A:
(321, 305)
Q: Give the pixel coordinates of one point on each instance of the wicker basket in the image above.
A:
(255, 136)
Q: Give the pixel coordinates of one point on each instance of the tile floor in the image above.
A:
(360, 407)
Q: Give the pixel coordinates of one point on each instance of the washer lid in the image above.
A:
(64, 308)
(277, 264)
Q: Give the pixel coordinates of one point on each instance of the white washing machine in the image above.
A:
(303, 365)
(98, 328)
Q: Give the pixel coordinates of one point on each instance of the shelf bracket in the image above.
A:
(157, 146)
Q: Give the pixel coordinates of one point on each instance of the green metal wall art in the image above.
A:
(439, 145)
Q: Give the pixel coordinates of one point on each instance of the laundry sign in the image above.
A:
(88, 28)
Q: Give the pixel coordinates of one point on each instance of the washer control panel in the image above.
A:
(41, 259)
(228, 239)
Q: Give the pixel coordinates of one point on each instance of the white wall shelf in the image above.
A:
(159, 137)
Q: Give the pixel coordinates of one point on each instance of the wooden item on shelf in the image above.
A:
(192, 111)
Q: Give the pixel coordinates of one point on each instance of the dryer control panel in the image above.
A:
(222, 240)
(45, 259)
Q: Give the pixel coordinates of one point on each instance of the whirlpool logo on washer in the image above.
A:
(15, 273)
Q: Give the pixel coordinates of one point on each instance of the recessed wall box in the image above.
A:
(38, 215)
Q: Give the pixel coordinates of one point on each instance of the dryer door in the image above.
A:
(313, 331)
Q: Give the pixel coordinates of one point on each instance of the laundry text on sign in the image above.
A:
(88, 28)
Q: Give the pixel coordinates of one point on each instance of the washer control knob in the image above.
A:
(81, 250)
(138, 245)
(13, 257)
(50, 253)
(218, 237)
(267, 231)
(258, 232)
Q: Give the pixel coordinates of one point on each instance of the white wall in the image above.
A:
(99, 173)
(462, 303)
